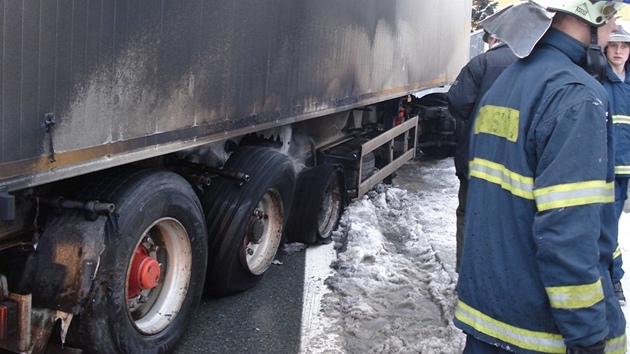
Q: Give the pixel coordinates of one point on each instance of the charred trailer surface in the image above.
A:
(151, 151)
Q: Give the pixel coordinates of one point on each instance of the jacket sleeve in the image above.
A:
(572, 186)
(462, 96)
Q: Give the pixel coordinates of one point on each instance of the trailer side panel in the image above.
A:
(128, 80)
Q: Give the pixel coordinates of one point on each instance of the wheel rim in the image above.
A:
(154, 297)
(263, 234)
(329, 209)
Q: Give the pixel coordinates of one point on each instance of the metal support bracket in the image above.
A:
(406, 136)
(49, 122)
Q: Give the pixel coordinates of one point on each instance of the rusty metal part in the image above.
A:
(42, 324)
(8, 310)
(4, 321)
(20, 341)
(31, 328)
(60, 274)
(8, 318)
(57, 278)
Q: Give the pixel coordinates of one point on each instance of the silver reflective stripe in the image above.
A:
(523, 338)
(493, 172)
(616, 345)
(622, 170)
(575, 296)
(621, 119)
(572, 194)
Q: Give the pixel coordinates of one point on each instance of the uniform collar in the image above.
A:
(571, 47)
(612, 77)
(497, 46)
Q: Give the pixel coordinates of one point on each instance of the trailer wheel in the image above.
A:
(245, 221)
(318, 204)
(150, 279)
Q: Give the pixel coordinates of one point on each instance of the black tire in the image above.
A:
(245, 222)
(159, 212)
(318, 204)
(347, 155)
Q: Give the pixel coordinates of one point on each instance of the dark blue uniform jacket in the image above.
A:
(541, 226)
(471, 84)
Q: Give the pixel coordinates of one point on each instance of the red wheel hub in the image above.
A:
(144, 273)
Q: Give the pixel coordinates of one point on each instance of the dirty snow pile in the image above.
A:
(388, 285)
(392, 287)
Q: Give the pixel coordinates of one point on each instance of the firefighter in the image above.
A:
(490, 39)
(471, 84)
(540, 223)
(617, 85)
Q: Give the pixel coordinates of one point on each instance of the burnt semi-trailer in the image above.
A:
(152, 151)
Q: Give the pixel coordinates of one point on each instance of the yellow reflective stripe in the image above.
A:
(622, 170)
(572, 194)
(621, 119)
(617, 252)
(499, 121)
(523, 338)
(575, 296)
(617, 345)
(493, 172)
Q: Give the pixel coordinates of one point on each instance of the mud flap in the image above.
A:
(60, 272)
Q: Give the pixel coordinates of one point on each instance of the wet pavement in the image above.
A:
(265, 319)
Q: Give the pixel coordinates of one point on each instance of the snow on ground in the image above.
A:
(391, 289)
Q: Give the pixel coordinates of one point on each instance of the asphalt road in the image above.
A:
(264, 319)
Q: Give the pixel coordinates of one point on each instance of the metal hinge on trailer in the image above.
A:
(405, 135)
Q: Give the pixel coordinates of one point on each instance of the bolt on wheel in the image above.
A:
(158, 275)
(264, 234)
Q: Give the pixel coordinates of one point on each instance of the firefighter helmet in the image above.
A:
(593, 12)
(620, 35)
(523, 24)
